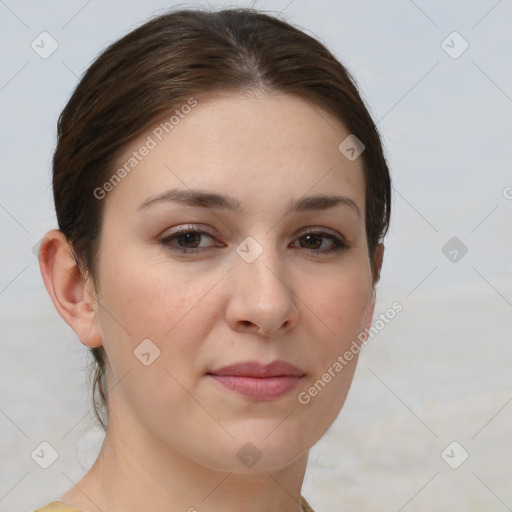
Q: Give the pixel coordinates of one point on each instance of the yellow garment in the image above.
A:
(59, 506)
(56, 506)
(305, 505)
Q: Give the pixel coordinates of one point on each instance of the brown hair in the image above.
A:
(158, 67)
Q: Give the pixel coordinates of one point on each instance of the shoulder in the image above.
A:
(56, 506)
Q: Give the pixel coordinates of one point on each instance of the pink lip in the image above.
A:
(258, 381)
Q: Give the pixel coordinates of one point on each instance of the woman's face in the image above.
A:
(260, 284)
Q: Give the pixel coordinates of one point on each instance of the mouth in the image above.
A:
(258, 381)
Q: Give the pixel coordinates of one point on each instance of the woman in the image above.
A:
(222, 197)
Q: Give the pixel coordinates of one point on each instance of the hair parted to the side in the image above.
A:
(157, 68)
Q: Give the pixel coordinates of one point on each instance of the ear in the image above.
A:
(72, 294)
(376, 267)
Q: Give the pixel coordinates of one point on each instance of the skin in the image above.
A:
(173, 433)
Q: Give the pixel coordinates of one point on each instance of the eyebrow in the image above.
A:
(207, 199)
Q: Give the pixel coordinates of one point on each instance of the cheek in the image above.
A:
(161, 304)
(153, 300)
(338, 306)
(174, 306)
(339, 301)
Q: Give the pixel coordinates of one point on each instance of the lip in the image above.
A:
(258, 381)
(257, 369)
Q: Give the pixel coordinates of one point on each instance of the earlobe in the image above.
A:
(68, 289)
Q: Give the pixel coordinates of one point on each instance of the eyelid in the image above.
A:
(319, 229)
(326, 231)
(185, 228)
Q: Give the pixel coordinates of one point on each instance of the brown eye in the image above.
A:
(186, 240)
(314, 241)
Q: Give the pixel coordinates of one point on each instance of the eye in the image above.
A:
(186, 240)
(314, 240)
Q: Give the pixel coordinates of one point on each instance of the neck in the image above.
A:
(134, 472)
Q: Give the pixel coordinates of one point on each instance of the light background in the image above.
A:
(439, 372)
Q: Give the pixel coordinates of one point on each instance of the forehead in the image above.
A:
(262, 148)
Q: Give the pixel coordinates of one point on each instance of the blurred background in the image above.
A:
(427, 424)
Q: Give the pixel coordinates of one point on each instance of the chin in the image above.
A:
(259, 447)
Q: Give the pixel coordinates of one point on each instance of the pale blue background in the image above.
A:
(439, 372)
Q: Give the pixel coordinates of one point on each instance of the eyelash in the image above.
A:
(339, 244)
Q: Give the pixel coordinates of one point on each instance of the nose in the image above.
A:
(261, 297)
